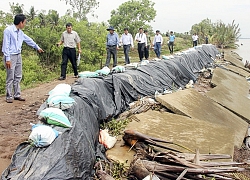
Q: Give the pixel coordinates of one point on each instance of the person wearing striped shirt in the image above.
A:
(128, 42)
(157, 43)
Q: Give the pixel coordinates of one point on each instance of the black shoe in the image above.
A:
(19, 98)
(61, 78)
(9, 100)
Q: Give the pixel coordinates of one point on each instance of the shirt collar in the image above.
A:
(14, 28)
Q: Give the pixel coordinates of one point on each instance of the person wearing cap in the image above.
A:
(70, 39)
(112, 45)
(157, 43)
(127, 41)
(141, 39)
(146, 49)
(171, 42)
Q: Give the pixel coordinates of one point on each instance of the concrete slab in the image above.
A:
(237, 70)
(192, 104)
(120, 152)
(231, 91)
(189, 132)
(236, 62)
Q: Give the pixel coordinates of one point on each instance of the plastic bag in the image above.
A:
(42, 136)
(78, 59)
(87, 74)
(118, 69)
(107, 140)
(55, 116)
(61, 89)
(104, 71)
(60, 101)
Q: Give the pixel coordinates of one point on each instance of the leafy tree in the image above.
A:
(203, 29)
(133, 14)
(218, 33)
(16, 8)
(225, 36)
(81, 8)
(31, 14)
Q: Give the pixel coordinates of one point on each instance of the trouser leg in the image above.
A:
(17, 76)
(146, 51)
(64, 62)
(159, 50)
(114, 53)
(142, 47)
(10, 77)
(126, 49)
(108, 56)
(139, 50)
(72, 58)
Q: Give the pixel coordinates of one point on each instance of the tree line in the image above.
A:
(45, 27)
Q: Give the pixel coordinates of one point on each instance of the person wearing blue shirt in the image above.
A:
(171, 42)
(13, 38)
(112, 45)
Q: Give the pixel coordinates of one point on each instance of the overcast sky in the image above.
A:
(175, 15)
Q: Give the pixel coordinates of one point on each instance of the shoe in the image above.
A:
(19, 98)
(61, 78)
(9, 100)
(76, 76)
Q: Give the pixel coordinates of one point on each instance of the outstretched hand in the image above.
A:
(40, 50)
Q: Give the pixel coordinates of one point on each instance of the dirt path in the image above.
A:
(15, 118)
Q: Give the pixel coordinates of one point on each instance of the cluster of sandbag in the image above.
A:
(58, 100)
(73, 153)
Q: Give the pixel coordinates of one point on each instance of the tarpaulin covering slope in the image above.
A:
(73, 154)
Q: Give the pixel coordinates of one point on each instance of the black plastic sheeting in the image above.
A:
(73, 154)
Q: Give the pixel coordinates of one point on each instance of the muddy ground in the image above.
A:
(15, 118)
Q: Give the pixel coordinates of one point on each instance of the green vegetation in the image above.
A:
(46, 27)
(133, 14)
(115, 127)
(221, 34)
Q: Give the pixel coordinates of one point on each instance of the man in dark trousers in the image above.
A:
(13, 38)
(147, 48)
(141, 39)
(127, 41)
(69, 39)
(112, 45)
(171, 42)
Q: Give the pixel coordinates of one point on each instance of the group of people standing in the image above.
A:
(143, 44)
(13, 38)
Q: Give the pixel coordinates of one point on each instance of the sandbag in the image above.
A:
(60, 101)
(56, 117)
(42, 135)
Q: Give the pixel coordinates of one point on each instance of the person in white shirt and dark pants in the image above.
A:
(157, 43)
(127, 41)
(141, 38)
(195, 39)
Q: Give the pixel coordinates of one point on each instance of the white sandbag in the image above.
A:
(61, 89)
(42, 136)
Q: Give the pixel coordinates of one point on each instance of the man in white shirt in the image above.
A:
(141, 38)
(127, 41)
(195, 39)
(157, 43)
